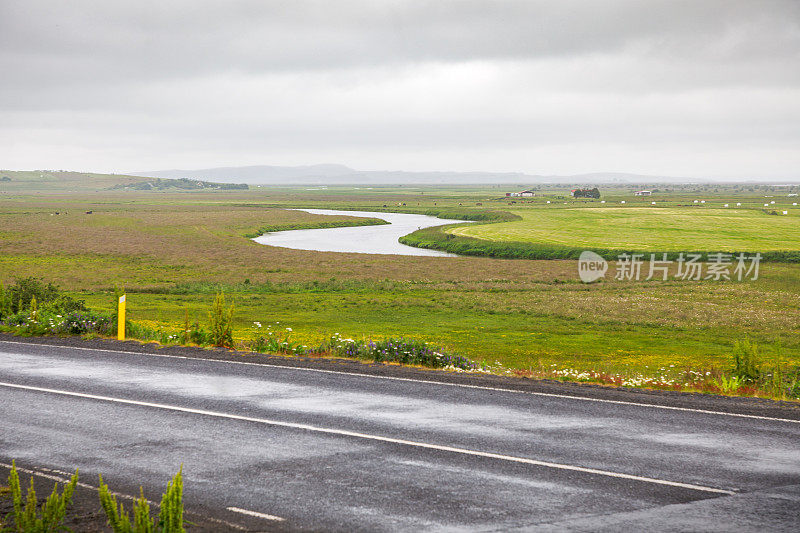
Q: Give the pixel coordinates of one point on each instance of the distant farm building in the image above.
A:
(643, 193)
(521, 193)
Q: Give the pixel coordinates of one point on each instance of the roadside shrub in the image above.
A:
(26, 289)
(78, 323)
(18, 298)
(746, 364)
(33, 307)
(404, 351)
(32, 518)
(221, 318)
(170, 517)
(45, 322)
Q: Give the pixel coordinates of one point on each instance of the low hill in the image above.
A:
(67, 181)
(60, 180)
(343, 175)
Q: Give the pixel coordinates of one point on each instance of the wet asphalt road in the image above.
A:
(320, 450)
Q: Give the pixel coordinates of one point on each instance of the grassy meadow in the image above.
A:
(174, 250)
(652, 228)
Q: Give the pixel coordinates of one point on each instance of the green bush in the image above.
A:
(26, 289)
(32, 519)
(18, 297)
(221, 318)
(746, 363)
(170, 517)
(44, 322)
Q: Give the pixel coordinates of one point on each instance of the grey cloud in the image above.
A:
(405, 79)
(143, 40)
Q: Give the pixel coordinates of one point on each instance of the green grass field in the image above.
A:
(174, 250)
(649, 228)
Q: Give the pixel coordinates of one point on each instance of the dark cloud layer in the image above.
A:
(174, 39)
(377, 84)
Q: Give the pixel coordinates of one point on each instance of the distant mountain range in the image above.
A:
(342, 175)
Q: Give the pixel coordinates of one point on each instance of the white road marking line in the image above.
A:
(367, 436)
(224, 522)
(257, 515)
(41, 473)
(426, 381)
(53, 477)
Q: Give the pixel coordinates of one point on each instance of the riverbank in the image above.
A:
(384, 239)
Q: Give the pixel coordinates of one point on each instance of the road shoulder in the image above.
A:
(758, 407)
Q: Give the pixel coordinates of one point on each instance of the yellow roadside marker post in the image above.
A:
(121, 319)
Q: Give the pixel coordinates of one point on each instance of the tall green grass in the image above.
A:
(170, 517)
(32, 518)
(221, 322)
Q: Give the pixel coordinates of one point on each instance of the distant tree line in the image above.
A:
(586, 193)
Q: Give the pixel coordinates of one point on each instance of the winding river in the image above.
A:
(359, 239)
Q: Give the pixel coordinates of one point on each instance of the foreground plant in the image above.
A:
(31, 518)
(728, 385)
(170, 517)
(746, 361)
(221, 318)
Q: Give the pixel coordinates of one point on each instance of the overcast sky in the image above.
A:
(696, 88)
